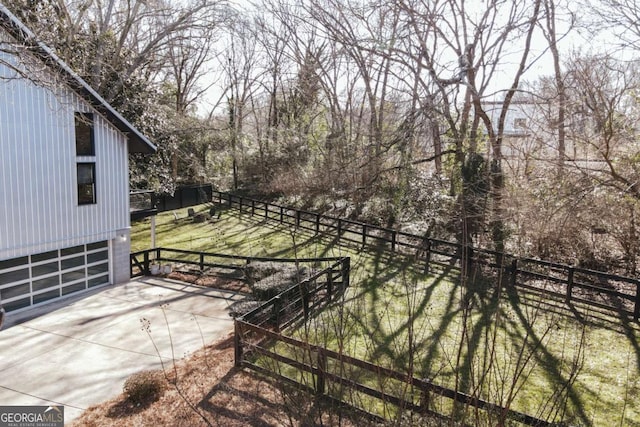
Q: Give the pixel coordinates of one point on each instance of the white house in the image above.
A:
(64, 187)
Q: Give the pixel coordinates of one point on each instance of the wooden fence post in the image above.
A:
(146, 263)
(636, 310)
(322, 366)
(281, 214)
(569, 285)
(346, 271)
(237, 343)
(514, 272)
(266, 210)
(317, 223)
(201, 262)
(275, 313)
(393, 240)
(297, 218)
(253, 207)
(424, 400)
(427, 256)
(304, 293)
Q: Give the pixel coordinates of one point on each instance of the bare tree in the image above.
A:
(550, 31)
(463, 48)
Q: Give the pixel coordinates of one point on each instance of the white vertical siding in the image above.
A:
(38, 200)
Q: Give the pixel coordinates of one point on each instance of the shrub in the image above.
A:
(271, 286)
(240, 308)
(144, 387)
(259, 270)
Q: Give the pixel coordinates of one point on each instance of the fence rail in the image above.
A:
(141, 261)
(609, 292)
(329, 370)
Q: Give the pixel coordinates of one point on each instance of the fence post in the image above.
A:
(636, 310)
(346, 270)
(237, 342)
(275, 313)
(266, 210)
(304, 293)
(146, 263)
(427, 256)
(297, 218)
(322, 366)
(514, 272)
(424, 400)
(393, 240)
(317, 223)
(281, 215)
(201, 262)
(230, 200)
(253, 207)
(569, 285)
(241, 202)
(330, 283)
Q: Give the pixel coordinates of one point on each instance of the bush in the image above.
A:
(260, 270)
(271, 286)
(240, 308)
(144, 387)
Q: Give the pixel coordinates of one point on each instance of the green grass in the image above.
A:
(492, 344)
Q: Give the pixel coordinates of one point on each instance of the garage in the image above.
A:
(34, 279)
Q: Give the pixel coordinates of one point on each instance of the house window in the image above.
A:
(86, 183)
(520, 123)
(85, 147)
(84, 134)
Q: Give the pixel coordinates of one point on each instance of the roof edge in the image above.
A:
(138, 143)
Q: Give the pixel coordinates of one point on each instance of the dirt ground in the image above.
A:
(208, 391)
(211, 281)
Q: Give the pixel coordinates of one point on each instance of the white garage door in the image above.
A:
(38, 278)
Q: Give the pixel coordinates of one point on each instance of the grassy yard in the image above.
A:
(536, 356)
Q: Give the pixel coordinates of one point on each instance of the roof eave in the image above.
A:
(138, 143)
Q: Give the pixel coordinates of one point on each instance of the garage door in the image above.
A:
(38, 278)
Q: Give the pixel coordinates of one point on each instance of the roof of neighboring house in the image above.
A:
(138, 143)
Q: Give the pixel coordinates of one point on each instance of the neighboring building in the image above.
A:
(64, 186)
(531, 135)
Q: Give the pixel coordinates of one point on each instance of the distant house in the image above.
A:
(64, 187)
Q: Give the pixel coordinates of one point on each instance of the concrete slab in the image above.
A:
(78, 352)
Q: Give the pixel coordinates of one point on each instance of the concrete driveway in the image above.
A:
(78, 352)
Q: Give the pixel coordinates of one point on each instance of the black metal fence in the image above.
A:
(612, 293)
(183, 197)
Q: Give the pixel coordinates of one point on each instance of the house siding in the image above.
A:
(38, 188)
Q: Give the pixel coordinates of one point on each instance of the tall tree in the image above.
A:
(463, 49)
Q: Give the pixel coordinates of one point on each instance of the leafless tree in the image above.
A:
(464, 50)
